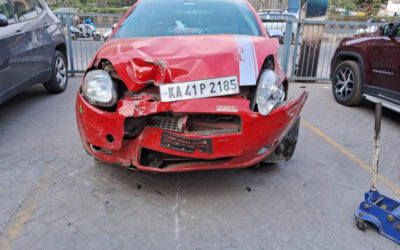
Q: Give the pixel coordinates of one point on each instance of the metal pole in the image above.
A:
(71, 55)
(287, 43)
(378, 119)
(296, 46)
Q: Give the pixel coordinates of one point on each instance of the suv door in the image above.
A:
(15, 46)
(385, 65)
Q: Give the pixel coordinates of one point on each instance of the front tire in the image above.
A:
(59, 76)
(346, 83)
(285, 150)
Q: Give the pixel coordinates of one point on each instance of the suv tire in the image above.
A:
(346, 83)
(59, 76)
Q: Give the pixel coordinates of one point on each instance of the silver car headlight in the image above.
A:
(98, 89)
(269, 92)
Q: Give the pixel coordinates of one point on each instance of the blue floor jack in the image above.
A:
(377, 209)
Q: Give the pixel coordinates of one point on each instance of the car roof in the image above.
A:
(66, 10)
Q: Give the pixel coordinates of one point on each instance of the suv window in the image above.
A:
(26, 9)
(5, 9)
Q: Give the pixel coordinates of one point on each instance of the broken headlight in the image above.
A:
(269, 92)
(98, 89)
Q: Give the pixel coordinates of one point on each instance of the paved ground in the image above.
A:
(52, 195)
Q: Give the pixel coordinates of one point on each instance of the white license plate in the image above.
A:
(199, 89)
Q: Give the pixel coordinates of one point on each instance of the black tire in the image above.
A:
(59, 75)
(362, 225)
(347, 83)
(285, 150)
(97, 37)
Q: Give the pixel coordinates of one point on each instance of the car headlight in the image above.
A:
(269, 92)
(98, 89)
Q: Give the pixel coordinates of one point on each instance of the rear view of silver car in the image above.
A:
(276, 20)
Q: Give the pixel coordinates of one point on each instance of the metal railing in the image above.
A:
(83, 46)
(305, 54)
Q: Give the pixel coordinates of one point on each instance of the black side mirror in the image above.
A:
(386, 29)
(3, 20)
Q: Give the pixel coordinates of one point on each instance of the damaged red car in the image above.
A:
(186, 85)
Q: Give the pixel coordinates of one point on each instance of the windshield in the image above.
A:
(188, 17)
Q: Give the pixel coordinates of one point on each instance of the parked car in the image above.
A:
(276, 20)
(188, 85)
(32, 48)
(367, 66)
(370, 28)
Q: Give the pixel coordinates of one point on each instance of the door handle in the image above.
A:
(20, 32)
(46, 25)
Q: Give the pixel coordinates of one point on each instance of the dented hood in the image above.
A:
(162, 60)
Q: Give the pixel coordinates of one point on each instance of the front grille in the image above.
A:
(204, 124)
(151, 158)
(172, 123)
(213, 124)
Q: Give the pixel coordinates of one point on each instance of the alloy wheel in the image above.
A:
(344, 83)
(61, 72)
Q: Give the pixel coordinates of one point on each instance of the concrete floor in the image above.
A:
(53, 196)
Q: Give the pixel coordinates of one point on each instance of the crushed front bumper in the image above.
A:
(135, 136)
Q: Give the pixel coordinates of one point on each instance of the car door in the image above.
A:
(27, 14)
(15, 46)
(42, 38)
(385, 66)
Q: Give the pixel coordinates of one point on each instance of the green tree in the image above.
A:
(370, 6)
(345, 4)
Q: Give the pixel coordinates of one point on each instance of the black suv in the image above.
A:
(32, 48)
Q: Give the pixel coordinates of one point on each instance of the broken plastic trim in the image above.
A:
(99, 149)
(155, 159)
(186, 144)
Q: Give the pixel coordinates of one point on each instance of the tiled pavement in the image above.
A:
(53, 196)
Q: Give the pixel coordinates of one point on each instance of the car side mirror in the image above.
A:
(276, 34)
(3, 20)
(386, 29)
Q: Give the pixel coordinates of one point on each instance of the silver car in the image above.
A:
(276, 20)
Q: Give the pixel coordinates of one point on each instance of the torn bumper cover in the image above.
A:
(198, 134)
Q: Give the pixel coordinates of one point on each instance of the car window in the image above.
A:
(177, 17)
(26, 9)
(263, 16)
(5, 9)
(38, 6)
(290, 17)
(276, 17)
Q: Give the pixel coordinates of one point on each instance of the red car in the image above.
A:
(187, 85)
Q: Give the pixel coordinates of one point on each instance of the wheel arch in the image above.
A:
(62, 47)
(349, 56)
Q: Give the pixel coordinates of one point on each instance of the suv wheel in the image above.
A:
(346, 84)
(59, 76)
